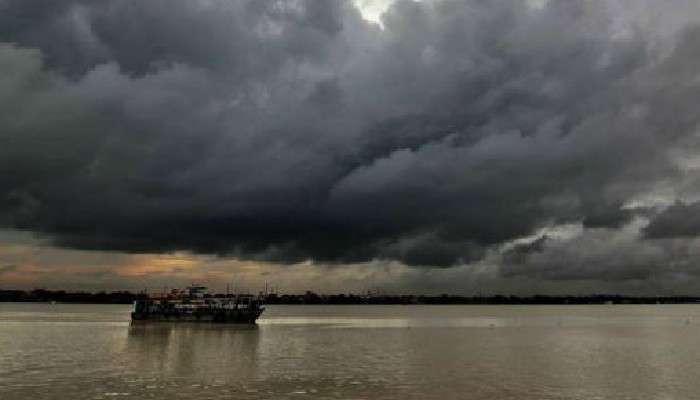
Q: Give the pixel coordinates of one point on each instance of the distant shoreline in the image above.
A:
(311, 298)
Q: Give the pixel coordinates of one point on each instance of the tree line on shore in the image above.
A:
(309, 297)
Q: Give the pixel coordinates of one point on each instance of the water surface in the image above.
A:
(355, 352)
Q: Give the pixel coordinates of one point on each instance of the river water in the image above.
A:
(355, 352)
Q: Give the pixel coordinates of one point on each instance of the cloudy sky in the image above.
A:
(435, 146)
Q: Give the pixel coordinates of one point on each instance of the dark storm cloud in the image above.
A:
(294, 130)
(608, 217)
(520, 252)
(605, 255)
(678, 220)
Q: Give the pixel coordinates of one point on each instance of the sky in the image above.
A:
(456, 146)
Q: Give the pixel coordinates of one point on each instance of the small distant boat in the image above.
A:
(194, 304)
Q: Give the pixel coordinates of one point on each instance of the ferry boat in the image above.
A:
(194, 304)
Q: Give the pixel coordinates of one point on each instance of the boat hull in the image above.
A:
(235, 317)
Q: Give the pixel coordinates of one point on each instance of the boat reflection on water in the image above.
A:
(209, 353)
